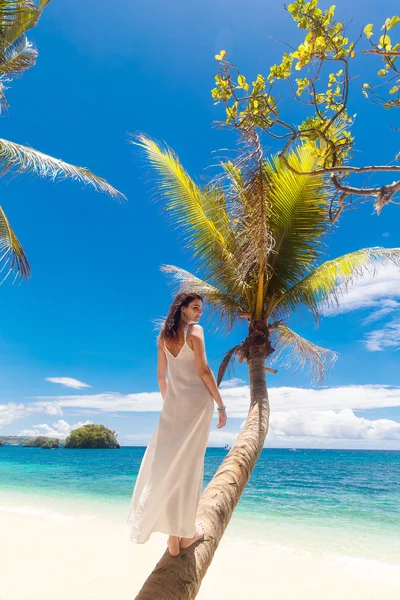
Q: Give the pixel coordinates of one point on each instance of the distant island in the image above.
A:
(42, 441)
(14, 440)
(92, 436)
(88, 436)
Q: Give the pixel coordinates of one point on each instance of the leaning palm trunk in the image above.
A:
(180, 578)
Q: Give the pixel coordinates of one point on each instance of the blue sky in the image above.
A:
(87, 313)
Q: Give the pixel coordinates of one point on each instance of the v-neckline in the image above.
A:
(175, 357)
(184, 344)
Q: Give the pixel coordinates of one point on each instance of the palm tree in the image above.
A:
(257, 237)
(17, 54)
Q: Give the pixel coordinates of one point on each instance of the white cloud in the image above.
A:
(371, 291)
(312, 429)
(300, 417)
(285, 399)
(68, 382)
(382, 293)
(386, 307)
(231, 382)
(342, 425)
(237, 399)
(106, 402)
(61, 429)
(387, 337)
(12, 411)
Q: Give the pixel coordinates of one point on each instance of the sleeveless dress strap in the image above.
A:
(187, 329)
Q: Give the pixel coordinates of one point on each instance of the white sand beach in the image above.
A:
(45, 554)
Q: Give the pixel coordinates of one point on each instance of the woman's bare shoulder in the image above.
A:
(197, 331)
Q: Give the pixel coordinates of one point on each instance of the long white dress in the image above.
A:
(170, 478)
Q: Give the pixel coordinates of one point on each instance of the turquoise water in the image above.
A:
(345, 502)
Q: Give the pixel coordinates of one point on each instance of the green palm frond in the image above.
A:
(16, 53)
(324, 286)
(17, 17)
(227, 362)
(21, 159)
(293, 351)
(224, 305)
(234, 175)
(298, 218)
(18, 57)
(12, 255)
(199, 213)
(281, 218)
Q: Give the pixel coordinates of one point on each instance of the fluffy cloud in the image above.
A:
(68, 382)
(237, 399)
(386, 308)
(285, 399)
(330, 424)
(303, 417)
(228, 383)
(387, 337)
(12, 411)
(372, 291)
(380, 292)
(106, 402)
(318, 429)
(61, 429)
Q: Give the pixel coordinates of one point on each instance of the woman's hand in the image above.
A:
(222, 419)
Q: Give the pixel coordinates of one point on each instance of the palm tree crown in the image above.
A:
(256, 234)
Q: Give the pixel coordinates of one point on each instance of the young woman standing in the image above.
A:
(170, 478)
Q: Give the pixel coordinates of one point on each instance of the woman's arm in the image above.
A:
(162, 371)
(202, 365)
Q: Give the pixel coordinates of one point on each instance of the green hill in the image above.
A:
(92, 436)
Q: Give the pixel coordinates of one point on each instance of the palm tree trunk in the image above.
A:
(179, 578)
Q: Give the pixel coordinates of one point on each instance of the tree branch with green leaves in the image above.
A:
(325, 58)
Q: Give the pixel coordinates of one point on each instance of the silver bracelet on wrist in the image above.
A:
(221, 409)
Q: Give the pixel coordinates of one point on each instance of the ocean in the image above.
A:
(341, 502)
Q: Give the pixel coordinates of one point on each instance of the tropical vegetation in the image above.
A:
(321, 75)
(17, 54)
(42, 441)
(92, 436)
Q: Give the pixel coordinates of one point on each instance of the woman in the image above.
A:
(170, 478)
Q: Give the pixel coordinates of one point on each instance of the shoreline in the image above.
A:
(316, 536)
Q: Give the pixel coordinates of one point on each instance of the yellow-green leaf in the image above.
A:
(394, 89)
(385, 42)
(221, 55)
(368, 30)
(393, 21)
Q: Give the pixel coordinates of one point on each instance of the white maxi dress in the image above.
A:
(169, 483)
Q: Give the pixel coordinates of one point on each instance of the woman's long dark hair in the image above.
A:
(170, 328)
